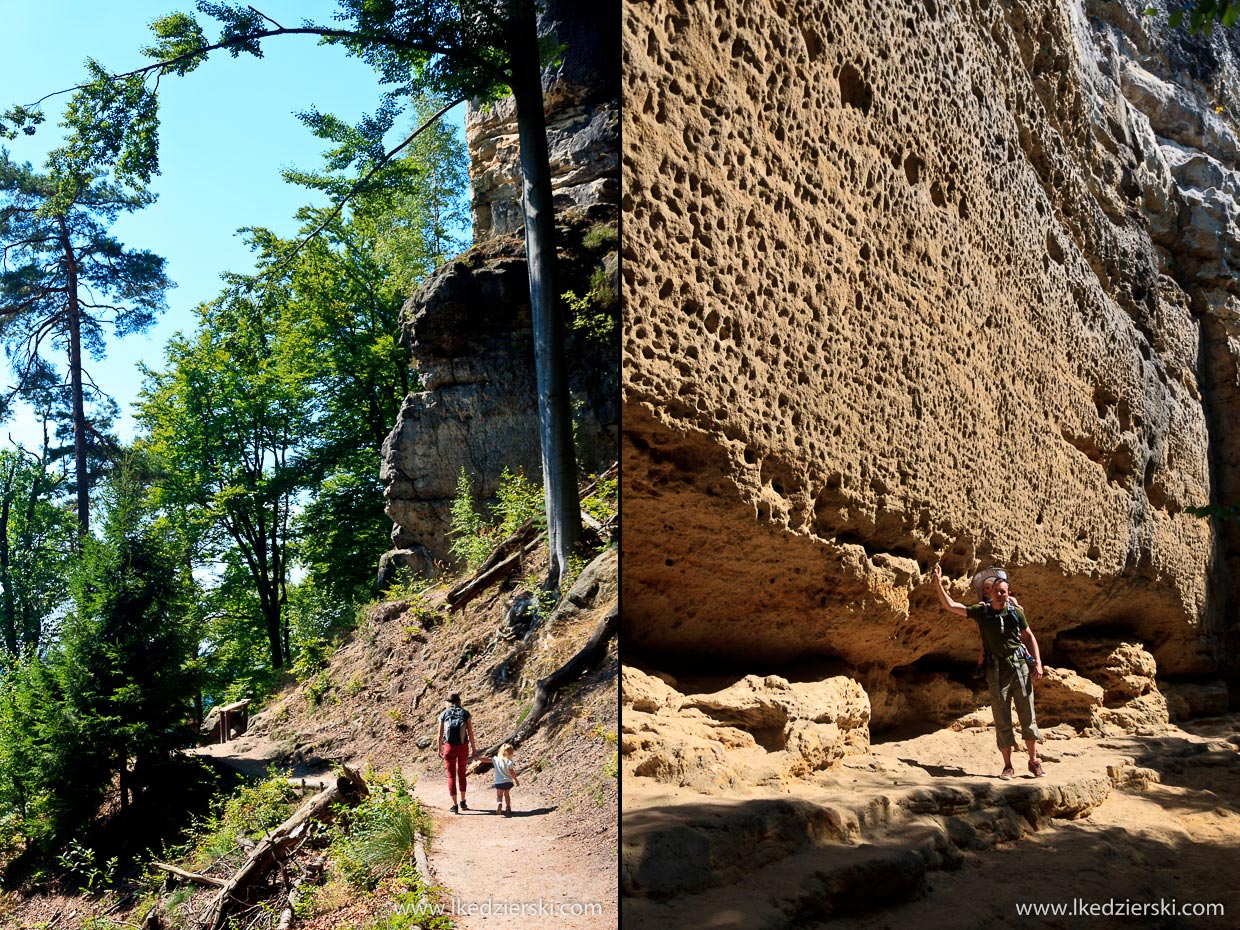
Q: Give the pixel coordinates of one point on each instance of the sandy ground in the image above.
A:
(531, 870)
(1137, 860)
(1151, 853)
(523, 871)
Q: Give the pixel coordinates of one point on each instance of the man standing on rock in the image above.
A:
(1008, 641)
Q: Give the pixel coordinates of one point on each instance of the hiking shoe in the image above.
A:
(499, 809)
(1035, 769)
(1008, 773)
(507, 811)
(454, 810)
(464, 806)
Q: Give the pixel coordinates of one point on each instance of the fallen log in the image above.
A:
(349, 787)
(500, 555)
(286, 915)
(460, 596)
(191, 876)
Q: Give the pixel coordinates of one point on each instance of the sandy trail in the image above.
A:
(531, 870)
(525, 871)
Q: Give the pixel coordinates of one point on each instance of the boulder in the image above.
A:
(1064, 697)
(1195, 699)
(646, 693)
(770, 705)
(761, 730)
(1145, 716)
(1124, 670)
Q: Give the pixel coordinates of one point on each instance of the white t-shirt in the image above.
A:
(505, 768)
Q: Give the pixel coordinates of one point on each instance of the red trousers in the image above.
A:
(455, 758)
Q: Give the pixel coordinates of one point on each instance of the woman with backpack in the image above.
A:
(456, 738)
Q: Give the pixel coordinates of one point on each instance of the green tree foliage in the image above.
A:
(473, 534)
(36, 537)
(64, 281)
(224, 422)
(458, 49)
(110, 698)
(337, 335)
(1201, 15)
(268, 424)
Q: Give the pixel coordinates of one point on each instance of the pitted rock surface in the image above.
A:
(950, 282)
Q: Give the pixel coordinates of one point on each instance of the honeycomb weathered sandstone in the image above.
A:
(910, 283)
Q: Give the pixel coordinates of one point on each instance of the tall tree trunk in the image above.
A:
(73, 319)
(9, 604)
(270, 606)
(554, 405)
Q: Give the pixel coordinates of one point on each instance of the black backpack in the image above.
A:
(454, 725)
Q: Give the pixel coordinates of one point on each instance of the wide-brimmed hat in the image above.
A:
(985, 575)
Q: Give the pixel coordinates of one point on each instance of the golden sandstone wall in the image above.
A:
(916, 281)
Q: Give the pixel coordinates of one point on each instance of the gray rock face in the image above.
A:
(468, 327)
(582, 104)
(468, 332)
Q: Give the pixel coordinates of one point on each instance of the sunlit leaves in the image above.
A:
(239, 23)
(1202, 15)
(20, 119)
(180, 43)
(113, 125)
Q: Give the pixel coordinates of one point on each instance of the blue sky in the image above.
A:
(226, 132)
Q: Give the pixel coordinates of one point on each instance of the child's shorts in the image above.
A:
(503, 785)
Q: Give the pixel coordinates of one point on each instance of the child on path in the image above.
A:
(505, 778)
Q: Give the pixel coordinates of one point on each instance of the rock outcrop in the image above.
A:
(755, 731)
(582, 104)
(468, 331)
(938, 282)
(468, 326)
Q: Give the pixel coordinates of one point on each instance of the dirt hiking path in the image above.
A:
(532, 870)
(525, 871)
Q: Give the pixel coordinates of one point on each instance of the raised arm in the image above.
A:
(954, 606)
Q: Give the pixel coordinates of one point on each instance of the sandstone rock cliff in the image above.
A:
(468, 327)
(921, 282)
(468, 331)
(582, 102)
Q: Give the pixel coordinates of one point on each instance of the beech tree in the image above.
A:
(64, 279)
(224, 424)
(460, 49)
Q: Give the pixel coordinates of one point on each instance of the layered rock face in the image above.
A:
(582, 103)
(468, 331)
(937, 281)
(468, 327)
